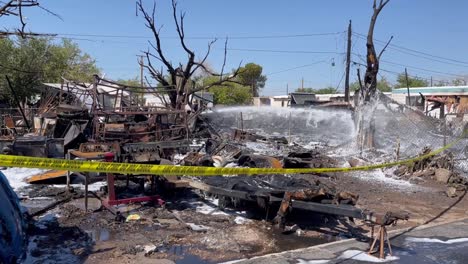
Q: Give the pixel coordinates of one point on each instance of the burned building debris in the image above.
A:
(107, 121)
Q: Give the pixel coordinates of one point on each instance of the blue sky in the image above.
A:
(435, 27)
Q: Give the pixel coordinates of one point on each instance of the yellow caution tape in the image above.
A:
(149, 169)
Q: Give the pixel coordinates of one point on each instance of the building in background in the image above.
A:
(435, 101)
(274, 101)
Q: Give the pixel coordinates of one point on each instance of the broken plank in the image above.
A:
(53, 174)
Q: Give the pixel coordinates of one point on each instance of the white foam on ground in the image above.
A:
(233, 261)
(315, 261)
(17, 176)
(260, 148)
(435, 240)
(17, 179)
(241, 220)
(381, 177)
(363, 256)
(208, 209)
(94, 187)
(196, 227)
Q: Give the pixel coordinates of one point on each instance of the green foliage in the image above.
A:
(328, 90)
(135, 82)
(458, 82)
(130, 82)
(383, 85)
(305, 90)
(229, 93)
(354, 86)
(30, 62)
(251, 75)
(412, 81)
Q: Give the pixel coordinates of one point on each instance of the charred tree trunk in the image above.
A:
(372, 69)
(366, 128)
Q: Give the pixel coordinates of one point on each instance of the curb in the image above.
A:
(393, 233)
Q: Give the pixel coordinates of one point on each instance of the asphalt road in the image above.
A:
(444, 243)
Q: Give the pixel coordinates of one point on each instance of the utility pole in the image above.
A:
(348, 63)
(302, 85)
(141, 71)
(431, 81)
(287, 88)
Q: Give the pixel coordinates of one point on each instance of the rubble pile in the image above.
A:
(202, 213)
(439, 168)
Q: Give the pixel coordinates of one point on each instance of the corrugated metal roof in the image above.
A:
(441, 90)
(303, 98)
(101, 88)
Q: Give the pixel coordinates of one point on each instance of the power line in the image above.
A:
(420, 56)
(422, 69)
(414, 67)
(403, 49)
(204, 37)
(298, 67)
(397, 73)
(287, 51)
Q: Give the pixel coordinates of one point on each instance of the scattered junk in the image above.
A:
(108, 121)
(441, 168)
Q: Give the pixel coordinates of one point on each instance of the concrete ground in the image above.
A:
(441, 243)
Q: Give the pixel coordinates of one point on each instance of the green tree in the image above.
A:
(327, 90)
(130, 82)
(251, 75)
(305, 90)
(458, 81)
(412, 81)
(383, 85)
(134, 82)
(30, 62)
(229, 93)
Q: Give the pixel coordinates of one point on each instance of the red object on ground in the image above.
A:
(112, 197)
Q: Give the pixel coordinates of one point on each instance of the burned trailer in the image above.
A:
(55, 122)
(272, 192)
(282, 194)
(145, 133)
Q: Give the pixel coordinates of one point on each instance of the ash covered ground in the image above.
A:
(191, 228)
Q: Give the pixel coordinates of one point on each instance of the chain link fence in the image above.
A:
(400, 132)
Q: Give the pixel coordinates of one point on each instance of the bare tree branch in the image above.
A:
(224, 60)
(204, 58)
(150, 23)
(384, 48)
(15, 8)
(180, 77)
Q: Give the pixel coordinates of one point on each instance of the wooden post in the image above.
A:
(442, 111)
(242, 122)
(348, 63)
(445, 129)
(382, 243)
(13, 92)
(68, 172)
(398, 149)
(407, 87)
(86, 190)
(289, 127)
